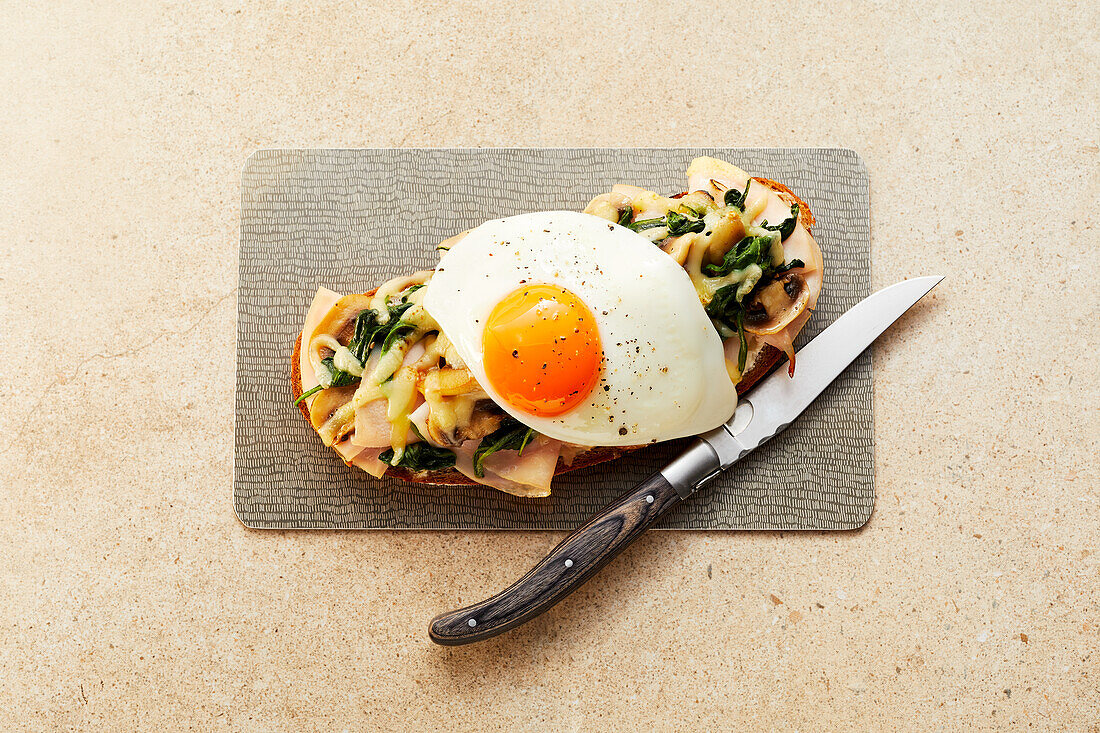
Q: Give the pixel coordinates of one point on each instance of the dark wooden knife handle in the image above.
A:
(576, 559)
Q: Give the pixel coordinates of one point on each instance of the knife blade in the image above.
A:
(767, 409)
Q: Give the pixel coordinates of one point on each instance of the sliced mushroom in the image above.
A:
(485, 418)
(715, 175)
(332, 413)
(773, 307)
(340, 321)
(609, 206)
(696, 203)
(449, 381)
(452, 396)
(723, 231)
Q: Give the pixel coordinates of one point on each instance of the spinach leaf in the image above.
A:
(367, 330)
(743, 351)
(421, 457)
(398, 309)
(307, 395)
(511, 435)
(676, 223)
(627, 217)
(400, 330)
(789, 266)
(727, 309)
(397, 329)
(786, 226)
(647, 224)
(736, 198)
(724, 306)
(680, 224)
(750, 250)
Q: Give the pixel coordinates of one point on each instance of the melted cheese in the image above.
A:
(401, 393)
(345, 361)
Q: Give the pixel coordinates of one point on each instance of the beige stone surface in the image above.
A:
(133, 599)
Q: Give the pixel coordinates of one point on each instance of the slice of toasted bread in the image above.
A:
(766, 359)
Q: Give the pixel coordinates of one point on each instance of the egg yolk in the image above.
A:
(542, 350)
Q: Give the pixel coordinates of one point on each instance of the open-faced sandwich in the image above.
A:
(551, 341)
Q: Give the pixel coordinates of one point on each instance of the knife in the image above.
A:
(767, 409)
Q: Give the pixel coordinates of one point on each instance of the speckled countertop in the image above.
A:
(132, 597)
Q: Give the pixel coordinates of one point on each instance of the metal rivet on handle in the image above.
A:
(649, 499)
(471, 622)
(568, 563)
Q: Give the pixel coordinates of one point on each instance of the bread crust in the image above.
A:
(766, 360)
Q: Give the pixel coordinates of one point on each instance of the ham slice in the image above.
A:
(322, 304)
(526, 475)
(372, 427)
(361, 457)
(367, 459)
(784, 340)
(347, 450)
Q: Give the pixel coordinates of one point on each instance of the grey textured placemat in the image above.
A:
(349, 219)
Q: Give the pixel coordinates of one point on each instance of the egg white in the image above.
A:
(664, 373)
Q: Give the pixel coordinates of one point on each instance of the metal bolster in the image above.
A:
(694, 466)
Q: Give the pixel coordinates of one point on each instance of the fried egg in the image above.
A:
(582, 329)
